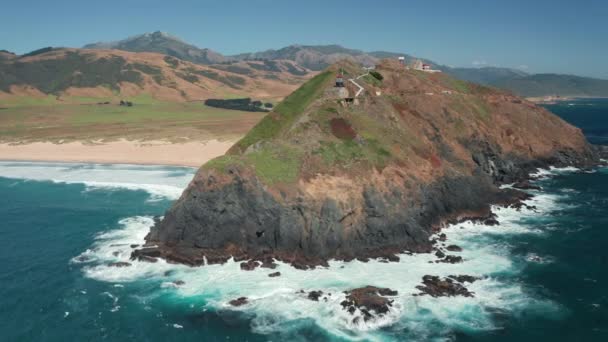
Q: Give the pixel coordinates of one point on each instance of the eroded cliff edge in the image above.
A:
(318, 179)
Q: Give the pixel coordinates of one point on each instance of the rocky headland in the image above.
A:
(324, 178)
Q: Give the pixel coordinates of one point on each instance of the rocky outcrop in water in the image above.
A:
(298, 189)
(446, 287)
(371, 301)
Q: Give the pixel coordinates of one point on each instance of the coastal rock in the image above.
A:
(239, 301)
(451, 259)
(119, 264)
(315, 295)
(249, 265)
(369, 300)
(526, 185)
(274, 274)
(454, 248)
(308, 193)
(491, 222)
(446, 287)
(464, 278)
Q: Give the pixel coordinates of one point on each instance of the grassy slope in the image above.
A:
(284, 113)
(312, 145)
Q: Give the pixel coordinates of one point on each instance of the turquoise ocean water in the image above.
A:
(545, 271)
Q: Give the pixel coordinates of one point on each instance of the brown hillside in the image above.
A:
(100, 73)
(318, 178)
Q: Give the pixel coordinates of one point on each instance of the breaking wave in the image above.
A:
(159, 181)
(277, 306)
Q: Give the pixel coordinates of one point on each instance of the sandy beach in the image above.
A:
(118, 152)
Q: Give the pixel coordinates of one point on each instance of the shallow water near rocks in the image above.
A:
(544, 270)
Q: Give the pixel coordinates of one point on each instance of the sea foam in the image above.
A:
(278, 306)
(159, 181)
(275, 304)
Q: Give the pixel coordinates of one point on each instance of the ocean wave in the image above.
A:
(277, 305)
(160, 182)
(552, 171)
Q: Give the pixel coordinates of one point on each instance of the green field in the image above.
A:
(28, 119)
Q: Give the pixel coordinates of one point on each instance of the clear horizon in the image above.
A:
(542, 37)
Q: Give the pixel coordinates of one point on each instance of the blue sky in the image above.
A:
(534, 35)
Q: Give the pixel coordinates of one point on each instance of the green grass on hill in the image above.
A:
(285, 112)
(272, 164)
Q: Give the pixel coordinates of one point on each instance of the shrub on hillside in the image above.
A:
(376, 75)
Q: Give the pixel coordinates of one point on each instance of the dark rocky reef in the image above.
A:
(450, 286)
(371, 301)
(239, 301)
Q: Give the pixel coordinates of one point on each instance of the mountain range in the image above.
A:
(298, 60)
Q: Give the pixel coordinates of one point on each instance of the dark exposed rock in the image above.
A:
(147, 259)
(134, 245)
(269, 264)
(249, 265)
(442, 237)
(464, 278)
(239, 301)
(314, 295)
(119, 264)
(447, 287)
(491, 222)
(179, 282)
(275, 274)
(451, 259)
(439, 254)
(454, 248)
(148, 254)
(526, 185)
(369, 300)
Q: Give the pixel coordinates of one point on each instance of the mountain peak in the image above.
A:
(165, 43)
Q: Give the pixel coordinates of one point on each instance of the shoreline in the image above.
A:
(160, 153)
(555, 100)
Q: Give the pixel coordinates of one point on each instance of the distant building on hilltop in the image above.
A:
(340, 81)
(426, 67)
(402, 60)
(417, 65)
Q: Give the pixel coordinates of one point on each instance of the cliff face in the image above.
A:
(317, 179)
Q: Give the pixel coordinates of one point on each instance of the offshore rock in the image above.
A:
(446, 287)
(370, 300)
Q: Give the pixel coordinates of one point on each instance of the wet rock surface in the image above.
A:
(275, 274)
(451, 259)
(239, 301)
(315, 295)
(249, 265)
(446, 287)
(454, 248)
(371, 301)
(526, 185)
(119, 264)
